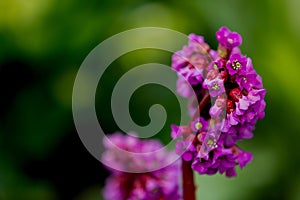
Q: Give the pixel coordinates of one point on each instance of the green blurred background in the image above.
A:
(42, 44)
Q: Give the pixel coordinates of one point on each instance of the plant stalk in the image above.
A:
(189, 188)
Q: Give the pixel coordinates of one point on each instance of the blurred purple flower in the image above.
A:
(160, 184)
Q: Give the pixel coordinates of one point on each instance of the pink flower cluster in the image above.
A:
(237, 103)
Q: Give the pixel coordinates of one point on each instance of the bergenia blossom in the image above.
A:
(236, 103)
(149, 185)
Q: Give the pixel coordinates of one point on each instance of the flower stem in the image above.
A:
(202, 104)
(189, 188)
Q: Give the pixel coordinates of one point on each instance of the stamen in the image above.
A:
(216, 87)
(198, 125)
(215, 66)
(212, 143)
(236, 65)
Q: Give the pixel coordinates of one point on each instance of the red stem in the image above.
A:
(189, 187)
(202, 104)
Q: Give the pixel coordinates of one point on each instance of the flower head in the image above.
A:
(237, 103)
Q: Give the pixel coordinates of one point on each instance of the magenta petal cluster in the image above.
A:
(228, 39)
(149, 185)
(191, 62)
(237, 103)
(222, 160)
